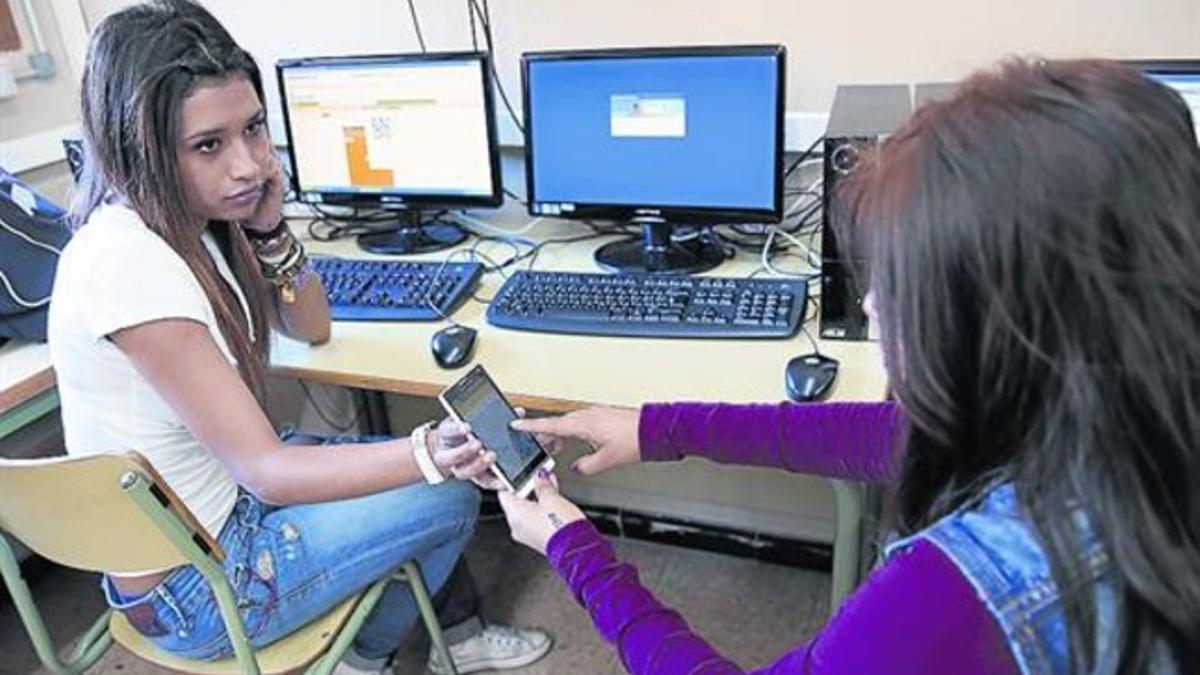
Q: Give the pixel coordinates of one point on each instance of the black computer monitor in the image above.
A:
(409, 132)
(657, 137)
(1181, 75)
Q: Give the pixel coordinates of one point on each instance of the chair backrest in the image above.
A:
(82, 512)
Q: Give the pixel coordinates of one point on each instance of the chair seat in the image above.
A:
(291, 653)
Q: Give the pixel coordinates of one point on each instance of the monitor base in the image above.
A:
(409, 240)
(655, 253)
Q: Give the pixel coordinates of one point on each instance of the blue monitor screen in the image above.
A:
(684, 131)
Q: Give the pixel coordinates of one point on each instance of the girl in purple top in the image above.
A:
(1032, 246)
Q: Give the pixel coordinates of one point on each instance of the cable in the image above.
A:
(412, 8)
(325, 228)
(484, 14)
(474, 37)
(803, 156)
(515, 197)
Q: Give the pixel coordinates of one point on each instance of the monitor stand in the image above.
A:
(411, 236)
(655, 253)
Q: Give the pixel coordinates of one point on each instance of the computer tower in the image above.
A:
(925, 93)
(862, 115)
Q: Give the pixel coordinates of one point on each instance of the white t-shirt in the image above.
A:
(116, 273)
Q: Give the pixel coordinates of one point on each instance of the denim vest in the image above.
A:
(996, 549)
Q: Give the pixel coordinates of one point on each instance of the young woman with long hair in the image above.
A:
(159, 331)
(1032, 249)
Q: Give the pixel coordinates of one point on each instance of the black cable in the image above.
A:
(412, 8)
(331, 227)
(803, 156)
(484, 14)
(515, 197)
(474, 37)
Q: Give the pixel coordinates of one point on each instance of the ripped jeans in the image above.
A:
(289, 565)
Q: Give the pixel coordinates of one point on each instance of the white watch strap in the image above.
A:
(420, 448)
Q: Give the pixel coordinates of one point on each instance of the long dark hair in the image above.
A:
(1033, 244)
(142, 63)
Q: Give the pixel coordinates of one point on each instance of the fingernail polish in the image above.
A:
(542, 473)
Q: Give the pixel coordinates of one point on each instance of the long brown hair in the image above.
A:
(142, 63)
(1032, 244)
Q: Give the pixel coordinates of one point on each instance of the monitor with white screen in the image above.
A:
(410, 133)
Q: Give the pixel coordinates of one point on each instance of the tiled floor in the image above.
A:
(749, 610)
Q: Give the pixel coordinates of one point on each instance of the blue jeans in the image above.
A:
(289, 565)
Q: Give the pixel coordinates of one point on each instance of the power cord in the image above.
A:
(808, 152)
(412, 8)
(485, 19)
(329, 227)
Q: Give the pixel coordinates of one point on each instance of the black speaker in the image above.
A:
(861, 116)
(73, 147)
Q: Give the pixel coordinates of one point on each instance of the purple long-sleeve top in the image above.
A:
(915, 614)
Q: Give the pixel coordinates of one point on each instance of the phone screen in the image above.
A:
(476, 401)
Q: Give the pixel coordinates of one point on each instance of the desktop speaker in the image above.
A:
(862, 115)
(73, 149)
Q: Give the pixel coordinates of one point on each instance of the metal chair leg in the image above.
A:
(848, 540)
(411, 573)
(90, 647)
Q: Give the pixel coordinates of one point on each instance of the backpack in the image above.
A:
(33, 232)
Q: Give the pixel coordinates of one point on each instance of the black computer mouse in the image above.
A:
(453, 345)
(809, 377)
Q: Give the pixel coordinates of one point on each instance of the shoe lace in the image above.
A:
(503, 635)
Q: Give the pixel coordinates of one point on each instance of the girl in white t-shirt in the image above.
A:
(159, 329)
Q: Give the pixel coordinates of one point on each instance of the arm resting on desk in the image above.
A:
(915, 615)
(849, 441)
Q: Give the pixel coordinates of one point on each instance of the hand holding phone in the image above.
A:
(455, 452)
(477, 401)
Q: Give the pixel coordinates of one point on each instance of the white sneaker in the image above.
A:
(496, 648)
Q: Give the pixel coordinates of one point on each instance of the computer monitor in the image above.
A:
(408, 132)
(658, 137)
(1183, 76)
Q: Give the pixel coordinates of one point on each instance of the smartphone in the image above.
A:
(476, 401)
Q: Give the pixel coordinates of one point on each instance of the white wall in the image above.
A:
(828, 42)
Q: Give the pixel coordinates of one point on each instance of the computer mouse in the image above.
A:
(453, 346)
(809, 377)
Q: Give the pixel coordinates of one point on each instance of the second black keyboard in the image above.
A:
(650, 306)
(394, 290)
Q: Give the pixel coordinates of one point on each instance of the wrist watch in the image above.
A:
(420, 450)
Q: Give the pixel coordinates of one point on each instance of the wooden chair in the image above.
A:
(114, 513)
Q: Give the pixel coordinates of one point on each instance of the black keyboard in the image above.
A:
(649, 306)
(392, 290)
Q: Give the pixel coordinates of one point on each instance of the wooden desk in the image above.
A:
(26, 385)
(560, 373)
